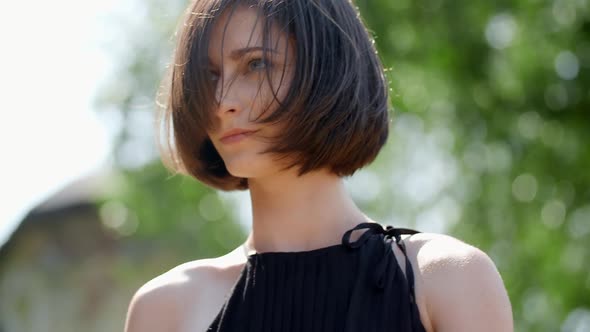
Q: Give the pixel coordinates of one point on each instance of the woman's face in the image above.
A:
(237, 63)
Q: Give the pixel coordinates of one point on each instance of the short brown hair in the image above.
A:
(336, 110)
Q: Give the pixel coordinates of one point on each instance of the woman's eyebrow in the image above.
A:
(238, 53)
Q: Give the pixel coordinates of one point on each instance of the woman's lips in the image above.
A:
(235, 138)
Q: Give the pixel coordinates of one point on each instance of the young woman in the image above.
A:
(285, 98)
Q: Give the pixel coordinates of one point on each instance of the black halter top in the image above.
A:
(349, 287)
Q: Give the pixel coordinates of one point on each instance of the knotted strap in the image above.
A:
(389, 233)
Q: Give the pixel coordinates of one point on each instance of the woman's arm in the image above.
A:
(462, 288)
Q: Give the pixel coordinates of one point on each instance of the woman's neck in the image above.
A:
(293, 213)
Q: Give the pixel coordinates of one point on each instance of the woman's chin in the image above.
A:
(251, 165)
(243, 168)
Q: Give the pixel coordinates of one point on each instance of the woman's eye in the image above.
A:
(257, 64)
(213, 76)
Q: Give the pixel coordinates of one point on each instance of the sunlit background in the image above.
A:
(489, 140)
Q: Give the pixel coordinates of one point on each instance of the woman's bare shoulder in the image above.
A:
(461, 287)
(162, 304)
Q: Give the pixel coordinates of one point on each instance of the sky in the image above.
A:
(52, 60)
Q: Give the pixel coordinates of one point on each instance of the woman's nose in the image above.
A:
(227, 97)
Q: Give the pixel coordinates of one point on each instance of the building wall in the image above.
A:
(62, 270)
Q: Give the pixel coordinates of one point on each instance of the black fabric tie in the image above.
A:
(389, 233)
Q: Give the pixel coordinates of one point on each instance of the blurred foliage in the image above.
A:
(491, 108)
(150, 204)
